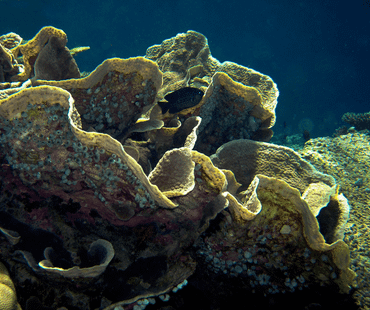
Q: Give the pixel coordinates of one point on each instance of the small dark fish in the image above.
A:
(306, 135)
(181, 99)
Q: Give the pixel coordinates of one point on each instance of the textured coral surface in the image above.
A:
(108, 203)
(347, 158)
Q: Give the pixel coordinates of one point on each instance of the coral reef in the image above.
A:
(44, 57)
(238, 103)
(360, 121)
(109, 184)
(277, 210)
(347, 159)
(8, 64)
(107, 202)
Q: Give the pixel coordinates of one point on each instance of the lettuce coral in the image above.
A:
(110, 198)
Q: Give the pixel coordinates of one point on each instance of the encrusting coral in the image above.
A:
(108, 197)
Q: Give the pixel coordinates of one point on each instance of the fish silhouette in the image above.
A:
(181, 99)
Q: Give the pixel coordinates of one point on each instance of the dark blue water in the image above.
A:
(316, 51)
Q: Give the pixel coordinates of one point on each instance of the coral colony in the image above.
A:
(106, 194)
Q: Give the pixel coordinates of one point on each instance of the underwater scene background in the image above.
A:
(316, 52)
(184, 154)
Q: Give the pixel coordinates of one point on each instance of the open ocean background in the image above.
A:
(316, 51)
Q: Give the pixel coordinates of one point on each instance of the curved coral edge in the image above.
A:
(129, 65)
(311, 231)
(88, 272)
(65, 99)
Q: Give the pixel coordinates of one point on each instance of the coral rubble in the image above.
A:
(106, 196)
